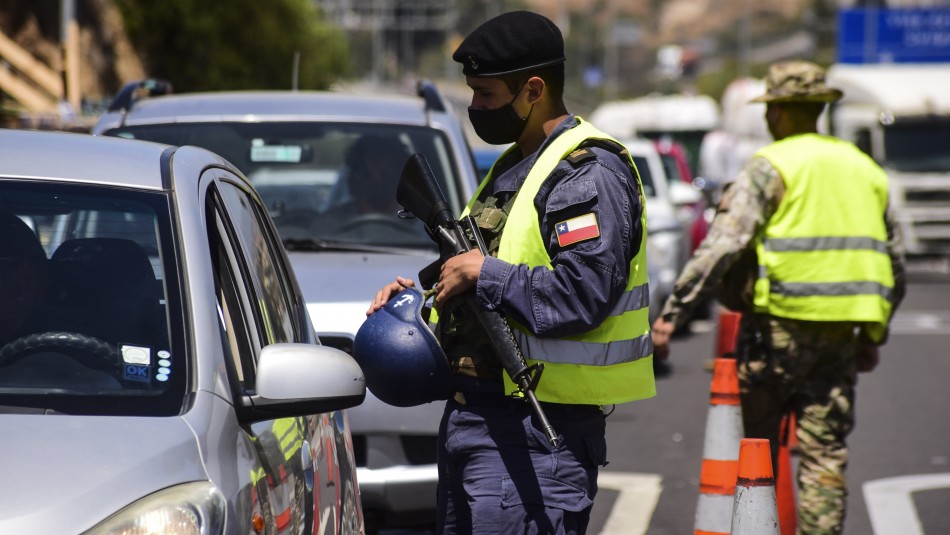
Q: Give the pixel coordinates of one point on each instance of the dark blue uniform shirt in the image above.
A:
(588, 276)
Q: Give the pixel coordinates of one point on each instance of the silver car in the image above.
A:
(326, 166)
(667, 241)
(158, 369)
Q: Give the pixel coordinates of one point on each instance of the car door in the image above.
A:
(296, 488)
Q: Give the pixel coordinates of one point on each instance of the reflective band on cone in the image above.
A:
(717, 481)
(754, 510)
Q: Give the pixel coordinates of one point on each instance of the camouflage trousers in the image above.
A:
(809, 368)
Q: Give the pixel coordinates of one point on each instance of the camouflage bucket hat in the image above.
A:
(797, 81)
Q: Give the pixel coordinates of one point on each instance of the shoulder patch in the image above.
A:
(577, 229)
(580, 156)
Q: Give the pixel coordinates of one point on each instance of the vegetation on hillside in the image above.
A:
(239, 44)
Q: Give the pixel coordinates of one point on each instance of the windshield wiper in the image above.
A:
(310, 244)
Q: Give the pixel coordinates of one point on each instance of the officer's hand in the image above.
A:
(661, 333)
(459, 274)
(387, 291)
(867, 358)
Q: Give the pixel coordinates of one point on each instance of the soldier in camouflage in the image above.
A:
(788, 364)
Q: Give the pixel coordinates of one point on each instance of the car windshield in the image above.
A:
(324, 183)
(918, 145)
(85, 303)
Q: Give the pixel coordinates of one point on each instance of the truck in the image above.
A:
(899, 114)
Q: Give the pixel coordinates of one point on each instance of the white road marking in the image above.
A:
(702, 326)
(921, 322)
(891, 506)
(634, 506)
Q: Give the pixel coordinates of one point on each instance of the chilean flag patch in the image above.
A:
(577, 229)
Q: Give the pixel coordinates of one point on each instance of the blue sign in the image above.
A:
(894, 35)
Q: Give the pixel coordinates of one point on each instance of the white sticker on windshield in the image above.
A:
(136, 355)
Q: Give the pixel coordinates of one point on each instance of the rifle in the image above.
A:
(420, 196)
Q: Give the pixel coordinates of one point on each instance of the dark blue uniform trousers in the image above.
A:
(499, 475)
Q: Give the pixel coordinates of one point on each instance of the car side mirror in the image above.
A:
(682, 194)
(301, 379)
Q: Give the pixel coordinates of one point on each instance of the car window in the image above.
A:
(643, 168)
(323, 181)
(233, 297)
(273, 297)
(92, 313)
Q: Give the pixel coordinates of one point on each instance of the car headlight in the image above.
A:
(192, 508)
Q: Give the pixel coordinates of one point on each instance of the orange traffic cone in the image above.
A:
(754, 511)
(726, 333)
(785, 478)
(792, 435)
(717, 480)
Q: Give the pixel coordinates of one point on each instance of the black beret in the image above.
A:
(511, 42)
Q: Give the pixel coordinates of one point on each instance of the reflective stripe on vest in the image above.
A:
(610, 364)
(823, 254)
(288, 436)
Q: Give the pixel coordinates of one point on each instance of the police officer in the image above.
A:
(806, 244)
(562, 213)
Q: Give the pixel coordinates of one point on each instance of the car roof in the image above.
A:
(656, 113)
(639, 146)
(80, 158)
(276, 105)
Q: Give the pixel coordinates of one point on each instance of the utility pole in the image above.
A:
(69, 40)
(744, 39)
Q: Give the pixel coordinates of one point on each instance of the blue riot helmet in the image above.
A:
(400, 357)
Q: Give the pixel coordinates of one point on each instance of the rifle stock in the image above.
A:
(419, 193)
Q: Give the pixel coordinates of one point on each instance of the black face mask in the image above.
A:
(499, 126)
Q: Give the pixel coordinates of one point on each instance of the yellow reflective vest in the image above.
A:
(823, 254)
(613, 363)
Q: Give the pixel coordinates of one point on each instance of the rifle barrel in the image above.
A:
(545, 424)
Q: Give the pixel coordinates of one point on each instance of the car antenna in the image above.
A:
(138, 90)
(430, 95)
(296, 70)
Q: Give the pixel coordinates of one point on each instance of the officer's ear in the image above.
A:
(535, 89)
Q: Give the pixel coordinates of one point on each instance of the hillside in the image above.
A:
(107, 59)
(620, 35)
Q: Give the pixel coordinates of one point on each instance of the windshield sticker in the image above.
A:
(263, 153)
(165, 366)
(136, 355)
(134, 372)
(162, 374)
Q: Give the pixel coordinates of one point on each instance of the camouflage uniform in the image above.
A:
(785, 364)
